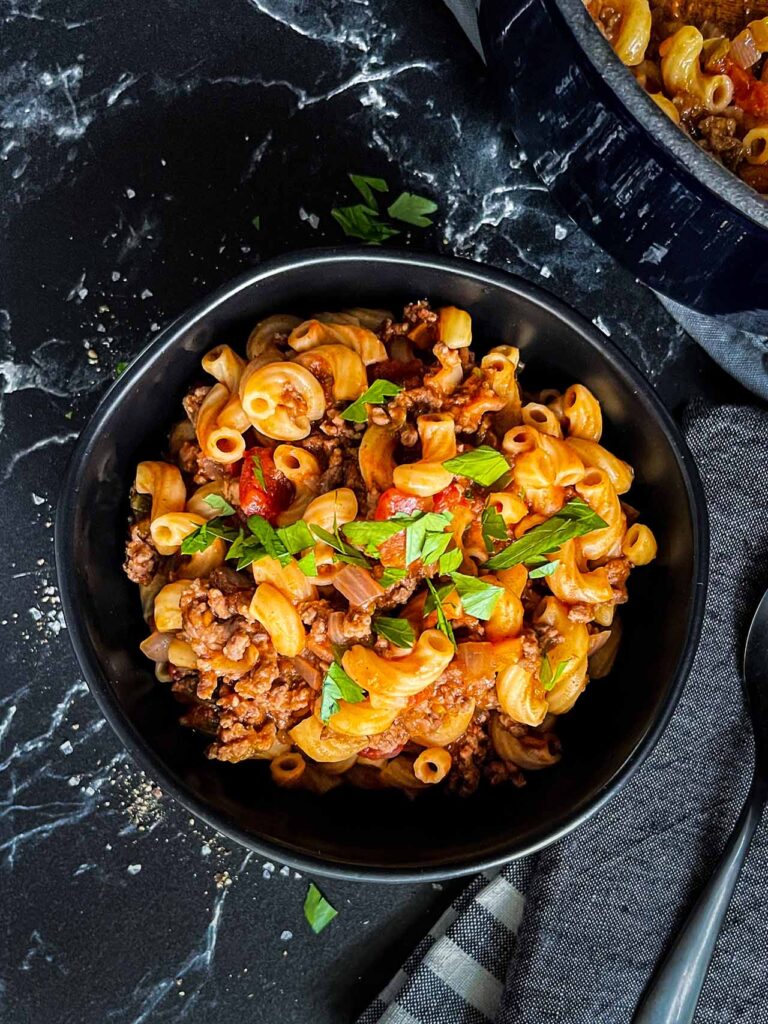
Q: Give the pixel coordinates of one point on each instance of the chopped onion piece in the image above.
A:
(309, 673)
(357, 585)
(744, 51)
(155, 647)
(477, 660)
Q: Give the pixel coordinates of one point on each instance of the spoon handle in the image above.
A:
(673, 992)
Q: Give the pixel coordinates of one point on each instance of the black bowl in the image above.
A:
(674, 216)
(351, 832)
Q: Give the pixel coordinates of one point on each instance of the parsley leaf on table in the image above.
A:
(366, 186)
(411, 208)
(317, 910)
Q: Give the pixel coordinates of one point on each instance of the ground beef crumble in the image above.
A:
(142, 559)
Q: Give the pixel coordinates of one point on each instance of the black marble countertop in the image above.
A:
(137, 144)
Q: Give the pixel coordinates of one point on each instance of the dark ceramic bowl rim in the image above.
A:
(101, 688)
(691, 158)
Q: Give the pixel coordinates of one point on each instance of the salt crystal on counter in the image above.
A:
(285, 935)
(133, 869)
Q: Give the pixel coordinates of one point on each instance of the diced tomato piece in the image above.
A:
(268, 501)
(450, 497)
(394, 500)
(398, 371)
(392, 551)
(375, 753)
(748, 94)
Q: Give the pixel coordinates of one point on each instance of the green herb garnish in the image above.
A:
(121, 367)
(366, 186)
(370, 534)
(343, 552)
(411, 208)
(296, 537)
(307, 564)
(376, 394)
(418, 536)
(206, 534)
(390, 576)
(484, 465)
(258, 471)
(398, 631)
(364, 221)
(543, 570)
(450, 561)
(550, 676)
(359, 221)
(219, 504)
(317, 910)
(493, 527)
(337, 685)
(478, 598)
(573, 520)
(256, 221)
(437, 603)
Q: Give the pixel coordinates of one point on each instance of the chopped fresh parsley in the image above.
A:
(420, 540)
(478, 598)
(359, 221)
(370, 534)
(390, 576)
(364, 221)
(493, 527)
(573, 520)
(296, 537)
(268, 536)
(337, 685)
(450, 561)
(343, 552)
(317, 910)
(437, 603)
(258, 471)
(411, 208)
(219, 504)
(366, 187)
(307, 564)
(206, 534)
(246, 550)
(484, 465)
(543, 570)
(121, 367)
(376, 394)
(550, 676)
(437, 595)
(267, 542)
(398, 631)
(256, 221)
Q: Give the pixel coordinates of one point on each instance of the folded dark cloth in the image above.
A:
(573, 933)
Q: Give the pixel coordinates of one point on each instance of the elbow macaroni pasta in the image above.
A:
(709, 78)
(318, 652)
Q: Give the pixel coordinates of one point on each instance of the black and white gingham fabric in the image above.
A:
(571, 936)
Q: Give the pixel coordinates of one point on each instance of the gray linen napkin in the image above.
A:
(572, 934)
(741, 354)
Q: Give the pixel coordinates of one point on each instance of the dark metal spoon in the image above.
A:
(674, 991)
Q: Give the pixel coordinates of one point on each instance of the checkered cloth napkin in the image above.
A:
(741, 354)
(572, 934)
